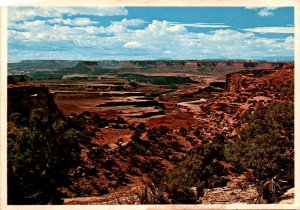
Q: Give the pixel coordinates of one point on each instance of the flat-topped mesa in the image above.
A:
(262, 79)
(92, 64)
(84, 67)
(23, 97)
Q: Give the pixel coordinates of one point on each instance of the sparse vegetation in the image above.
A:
(41, 151)
(266, 145)
(287, 91)
(200, 169)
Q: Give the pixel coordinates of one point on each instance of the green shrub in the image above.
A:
(266, 145)
(40, 154)
(38, 117)
(287, 91)
(196, 170)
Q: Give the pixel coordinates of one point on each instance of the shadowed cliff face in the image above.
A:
(24, 97)
(42, 145)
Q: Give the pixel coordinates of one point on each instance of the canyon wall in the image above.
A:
(197, 65)
(106, 66)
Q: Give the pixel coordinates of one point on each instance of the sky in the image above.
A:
(149, 33)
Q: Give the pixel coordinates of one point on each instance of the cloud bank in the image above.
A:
(73, 33)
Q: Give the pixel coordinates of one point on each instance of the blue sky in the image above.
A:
(142, 33)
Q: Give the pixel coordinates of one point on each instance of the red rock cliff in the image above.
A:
(259, 79)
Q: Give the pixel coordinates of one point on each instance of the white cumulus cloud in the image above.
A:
(132, 44)
(75, 21)
(29, 13)
(289, 43)
(129, 22)
(158, 39)
(201, 25)
(263, 11)
(279, 30)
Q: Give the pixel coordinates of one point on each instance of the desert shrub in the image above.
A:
(176, 146)
(287, 91)
(133, 170)
(183, 131)
(59, 126)
(118, 120)
(266, 145)
(195, 170)
(146, 166)
(98, 121)
(216, 181)
(163, 129)
(17, 118)
(156, 134)
(38, 117)
(88, 120)
(120, 176)
(109, 164)
(191, 140)
(141, 127)
(198, 134)
(136, 136)
(40, 154)
(135, 147)
(96, 154)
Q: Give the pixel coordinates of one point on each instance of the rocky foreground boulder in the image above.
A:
(237, 190)
(288, 197)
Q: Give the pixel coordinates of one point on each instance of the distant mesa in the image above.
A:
(85, 67)
(41, 64)
(53, 69)
(88, 64)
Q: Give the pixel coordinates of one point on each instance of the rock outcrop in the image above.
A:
(238, 190)
(23, 97)
(235, 82)
(245, 90)
(130, 196)
(287, 197)
(262, 80)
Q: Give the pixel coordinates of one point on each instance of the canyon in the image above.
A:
(185, 103)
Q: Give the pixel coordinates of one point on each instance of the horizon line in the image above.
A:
(238, 59)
